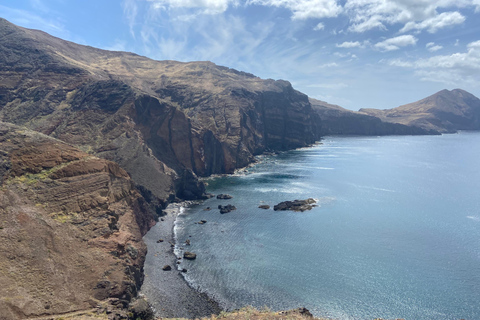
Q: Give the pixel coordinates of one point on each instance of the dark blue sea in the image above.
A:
(396, 233)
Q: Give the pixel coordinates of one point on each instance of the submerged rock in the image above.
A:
(189, 255)
(224, 196)
(226, 209)
(295, 205)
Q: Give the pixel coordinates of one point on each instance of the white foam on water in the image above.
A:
(281, 190)
(474, 218)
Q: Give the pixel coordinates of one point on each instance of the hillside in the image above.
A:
(445, 111)
(336, 120)
(71, 228)
(162, 121)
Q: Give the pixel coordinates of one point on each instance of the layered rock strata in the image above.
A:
(164, 122)
(71, 228)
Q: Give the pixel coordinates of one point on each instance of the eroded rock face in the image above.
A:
(71, 228)
(164, 122)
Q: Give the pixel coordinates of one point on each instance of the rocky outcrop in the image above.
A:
(189, 255)
(295, 205)
(71, 228)
(336, 120)
(164, 122)
(224, 196)
(445, 112)
(226, 209)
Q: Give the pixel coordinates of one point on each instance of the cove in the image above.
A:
(396, 233)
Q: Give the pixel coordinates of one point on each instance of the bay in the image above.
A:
(396, 233)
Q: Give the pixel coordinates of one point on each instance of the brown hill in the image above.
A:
(336, 120)
(71, 228)
(445, 111)
(160, 120)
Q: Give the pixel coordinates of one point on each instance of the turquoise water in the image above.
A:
(396, 233)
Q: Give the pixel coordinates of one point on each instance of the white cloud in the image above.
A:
(319, 27)
(205, 6)
(366, 15)
(329, 65)
(130, 11)
(350, 44)
(336, 85)
(118, 45)
(29, 19)
(433, 24)
(304, 9)
(399, 63)
(432, 47)
(455, 69)
(396, 42)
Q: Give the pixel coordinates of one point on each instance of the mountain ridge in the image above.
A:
(446, 111)
(164, 117)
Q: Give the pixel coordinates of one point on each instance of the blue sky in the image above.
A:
(355, 53)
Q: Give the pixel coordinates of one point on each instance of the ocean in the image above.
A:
(396, 233)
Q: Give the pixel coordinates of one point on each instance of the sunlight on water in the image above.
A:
(396, 233)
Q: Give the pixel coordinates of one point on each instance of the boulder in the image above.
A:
(227, 208)
(140, 309)
(166, 268)
(189, 255)
(224, 196)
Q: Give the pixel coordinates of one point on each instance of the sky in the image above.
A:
(354, 53)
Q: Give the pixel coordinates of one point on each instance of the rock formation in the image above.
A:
(71, 228)
(336, 120)
(295, 205)
(226, 209)
(164, 122)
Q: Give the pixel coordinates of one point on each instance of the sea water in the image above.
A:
(396, 233)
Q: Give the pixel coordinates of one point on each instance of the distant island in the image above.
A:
(95, 144)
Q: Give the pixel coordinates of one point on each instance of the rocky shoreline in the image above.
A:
(167, 291)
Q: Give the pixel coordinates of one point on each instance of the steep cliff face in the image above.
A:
(339, 121)
(445, 111)
(71, 228)
(160, 120)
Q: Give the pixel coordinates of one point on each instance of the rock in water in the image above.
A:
(264, 206)
(226, 209)
(189, 255)
(295, 205)
(224, 196)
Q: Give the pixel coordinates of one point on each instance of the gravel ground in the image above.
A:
(167, 291)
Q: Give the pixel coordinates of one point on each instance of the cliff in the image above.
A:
(164, 122)
(336, 120)
(445, 112)
(71, 228)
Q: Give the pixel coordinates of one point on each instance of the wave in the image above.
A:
(474, 218)
(371, 188)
